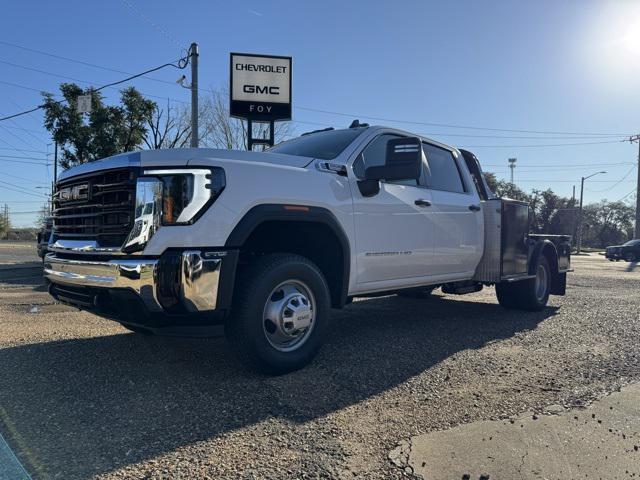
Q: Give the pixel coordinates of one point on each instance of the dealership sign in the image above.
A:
(260, 87)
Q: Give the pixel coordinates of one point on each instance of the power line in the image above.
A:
(568, 165)
(3, 82)
(616, 184)
(518, 137)
(181, 64)
(568, 181)
(25, 158)
(540, 145)
(7, 143)
(81, 62)
(386, 119)
(22, 128)
(23, 178)
(65, 77)
(13, 188)
(24, 162)
(351, 115)
(627, 195)
(465, 135)
(446, 125)
(17, 137)
(24, 150)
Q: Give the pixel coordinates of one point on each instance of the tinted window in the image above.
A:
(443, 173)
(632, 243)
(374, 155)
(323, 145)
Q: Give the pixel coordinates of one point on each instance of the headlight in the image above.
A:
(187, 192)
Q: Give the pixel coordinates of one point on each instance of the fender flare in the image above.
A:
(538, 249)
(558, 280)
(260, 214)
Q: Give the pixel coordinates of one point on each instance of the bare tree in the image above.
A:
(167, 128)
(219, 130)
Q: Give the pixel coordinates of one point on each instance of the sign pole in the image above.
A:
(194, 94)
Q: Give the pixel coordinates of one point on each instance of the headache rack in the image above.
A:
(99, 206)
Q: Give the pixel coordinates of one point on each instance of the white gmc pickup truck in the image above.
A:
(177, 242)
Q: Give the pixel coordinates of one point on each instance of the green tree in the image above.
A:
(107, 130)
(552, 213)
(607, 223)
(504, 189)
(5, 224)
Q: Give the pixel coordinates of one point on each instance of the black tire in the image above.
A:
(422, 292)
(246, 329)
(523, 295)
(629, 257)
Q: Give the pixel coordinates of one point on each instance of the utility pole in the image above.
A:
(512, 166)
(579, 243)
(574, 216)
(579, 232)
(193, 50)
(6, 221)
(55, 173)
(632, 139)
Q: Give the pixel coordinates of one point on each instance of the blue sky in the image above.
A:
(537, 66)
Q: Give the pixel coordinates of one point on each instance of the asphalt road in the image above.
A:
(81, 397)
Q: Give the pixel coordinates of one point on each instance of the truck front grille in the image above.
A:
(99, 206)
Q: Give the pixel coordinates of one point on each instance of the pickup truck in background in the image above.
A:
(179, 241)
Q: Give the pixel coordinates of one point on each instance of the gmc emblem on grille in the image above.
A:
(77, 192)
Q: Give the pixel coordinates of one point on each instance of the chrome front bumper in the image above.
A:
(194, 286)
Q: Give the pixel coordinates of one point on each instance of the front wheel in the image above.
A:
(280, 314)
(532, 294)
(630, 257)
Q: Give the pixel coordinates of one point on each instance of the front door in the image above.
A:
(393, 229)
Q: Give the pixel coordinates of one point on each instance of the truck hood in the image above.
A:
(180, 157)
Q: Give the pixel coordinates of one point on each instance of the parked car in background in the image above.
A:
(629, 251)
(43, 236)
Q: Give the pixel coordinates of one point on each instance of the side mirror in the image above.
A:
(403, 161)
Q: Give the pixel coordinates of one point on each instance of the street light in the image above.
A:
(579, 243)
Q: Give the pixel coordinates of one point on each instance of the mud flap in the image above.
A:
(559, 284)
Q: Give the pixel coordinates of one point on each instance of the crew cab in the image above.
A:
(180, 241)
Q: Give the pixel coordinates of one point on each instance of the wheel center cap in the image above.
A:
(296, 314)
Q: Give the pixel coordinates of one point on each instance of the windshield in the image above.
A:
(631, 243)
(323, 145)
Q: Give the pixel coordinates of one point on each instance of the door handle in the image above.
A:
(474, 208)
(422, 203)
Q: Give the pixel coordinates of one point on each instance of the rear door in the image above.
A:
(457, 218)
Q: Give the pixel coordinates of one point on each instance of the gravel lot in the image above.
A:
(81, 397)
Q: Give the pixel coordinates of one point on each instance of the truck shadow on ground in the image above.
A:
(87, 406)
